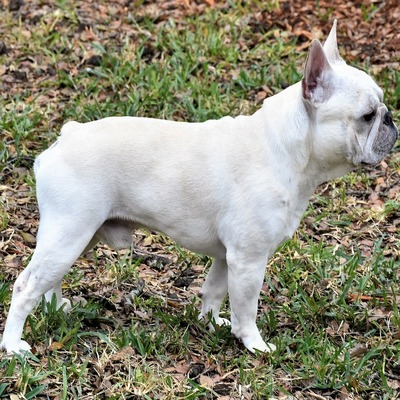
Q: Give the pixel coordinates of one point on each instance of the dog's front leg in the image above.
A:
(245, 280)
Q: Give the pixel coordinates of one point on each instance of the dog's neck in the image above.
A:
(298, 128)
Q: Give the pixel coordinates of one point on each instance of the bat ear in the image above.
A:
(331, 47)
(316, 83)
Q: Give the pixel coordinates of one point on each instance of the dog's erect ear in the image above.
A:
(316, 83)
(331, 47)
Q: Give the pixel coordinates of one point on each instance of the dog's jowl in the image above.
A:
(233, 188)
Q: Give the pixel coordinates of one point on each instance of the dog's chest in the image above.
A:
(285, 215)
(292, 213)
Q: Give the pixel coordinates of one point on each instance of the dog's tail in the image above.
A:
(69, 127)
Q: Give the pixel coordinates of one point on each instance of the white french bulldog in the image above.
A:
(234, 188)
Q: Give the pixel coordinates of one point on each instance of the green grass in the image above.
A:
(133, 331)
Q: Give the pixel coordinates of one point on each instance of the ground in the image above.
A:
(331, 297)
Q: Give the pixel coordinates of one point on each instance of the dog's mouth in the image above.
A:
(367, 164)
(370, 161)
(382, 144)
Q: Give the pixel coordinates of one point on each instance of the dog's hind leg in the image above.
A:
(62, 302)
(61, 240)
(213, 292)
(57, 289)
(115, 233)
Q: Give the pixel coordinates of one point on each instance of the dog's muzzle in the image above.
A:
(388, 121)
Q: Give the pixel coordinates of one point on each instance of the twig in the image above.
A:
(316, 396)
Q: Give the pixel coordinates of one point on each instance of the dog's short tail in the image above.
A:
(65, 130)
(69, 127)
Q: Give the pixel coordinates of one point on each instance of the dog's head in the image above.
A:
(346, 108)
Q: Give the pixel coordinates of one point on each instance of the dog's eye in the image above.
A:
(369, 117)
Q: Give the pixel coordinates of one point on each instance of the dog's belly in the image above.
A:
(200, 243)
(193, 233)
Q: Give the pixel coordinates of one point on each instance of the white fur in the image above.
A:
(234, 188)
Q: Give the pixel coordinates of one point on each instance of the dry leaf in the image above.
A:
(28, 238)
(394, 384)
(358, 350)
(206, 381)
(56, 346)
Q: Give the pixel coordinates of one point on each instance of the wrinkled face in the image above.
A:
(371, 131)
(353, 124)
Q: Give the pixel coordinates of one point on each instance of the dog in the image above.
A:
(233, 188)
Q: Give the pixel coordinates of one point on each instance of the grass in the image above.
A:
(330, 301)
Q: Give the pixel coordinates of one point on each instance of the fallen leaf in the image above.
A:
(261, 95)
(394, 384)
(28, 238)
(358, 350)
(206, 381)
(56, 346)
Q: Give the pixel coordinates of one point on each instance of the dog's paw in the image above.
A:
(222, 322)
(65, 304)
(19, 347)
(218, 322)
(258, 344)
(214, 322)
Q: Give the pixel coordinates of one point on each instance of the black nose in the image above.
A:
(387, 119)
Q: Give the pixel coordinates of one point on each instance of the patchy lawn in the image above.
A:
(331, 297)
